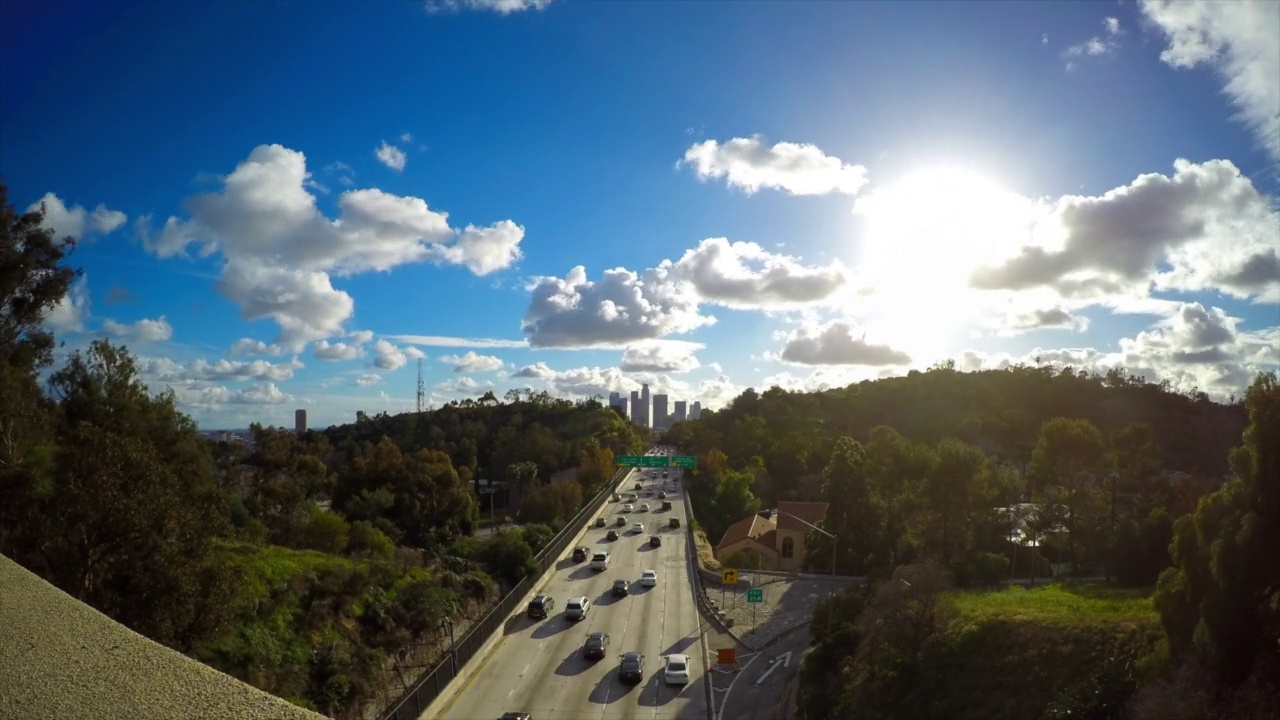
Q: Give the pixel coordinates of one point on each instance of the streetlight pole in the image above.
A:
(447, 622)
(811, 526)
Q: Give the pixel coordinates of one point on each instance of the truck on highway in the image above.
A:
(600, 560)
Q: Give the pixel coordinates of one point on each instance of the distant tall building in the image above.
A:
(618, 402)
(614, 397)
(679, 415)
(300, 421)
(644, 405)
(695, 411)
(635, 407)
(361, 416)
(660, 411)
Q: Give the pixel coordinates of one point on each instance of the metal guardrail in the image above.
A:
(428, 686)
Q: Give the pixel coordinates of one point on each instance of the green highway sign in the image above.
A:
(650, 461)
(684, 461)
(755, 595)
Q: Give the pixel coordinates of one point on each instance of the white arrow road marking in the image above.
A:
(773, 665)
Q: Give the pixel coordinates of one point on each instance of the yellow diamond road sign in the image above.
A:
(729, 576)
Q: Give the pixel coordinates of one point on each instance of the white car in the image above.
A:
(676, 669)
(638, 528)
(576, 608)
(649, 578)
(628, 507)
(644, 507)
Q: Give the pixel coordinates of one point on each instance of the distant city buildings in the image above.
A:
(695, 411)
(679, 415)
(644, 405)
(618, 402)
(300, 421)
(660, 419)
(653, 411)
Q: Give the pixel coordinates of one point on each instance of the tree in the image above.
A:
(1136, 463)
(954, 492)
(326, 531)
(1069, 456)
(854, 515)
(1220, 602)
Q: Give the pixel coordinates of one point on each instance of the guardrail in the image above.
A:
(428, 686)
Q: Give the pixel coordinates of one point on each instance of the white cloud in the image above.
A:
(391, 156)
(143, 330)
(159, 369)
(249, 346)
(368, 379)
(69, 314)
(406, 137)
(600, 381)
(661, 356)
(1240, 41)
(471, 362)
(390, 357)
(502, 7)
(325, 350)
(1055, 317)
(835, 344)
(460, 342)
(1207, 224)
(797, 168)
(463, 386)
(1098, 46)
(280, 249)
(75, 221)
(626, 307)
(217, 397)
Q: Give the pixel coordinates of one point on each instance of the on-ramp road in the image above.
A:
(538, 667)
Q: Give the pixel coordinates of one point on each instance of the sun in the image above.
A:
(926, 233)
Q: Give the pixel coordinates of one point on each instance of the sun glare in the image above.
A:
(925, 234)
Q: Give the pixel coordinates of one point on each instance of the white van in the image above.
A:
(600, 560)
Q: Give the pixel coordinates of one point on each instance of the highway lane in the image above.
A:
(538, 667)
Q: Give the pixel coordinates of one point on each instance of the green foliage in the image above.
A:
(1220, 603)
(326, 531)
(854, 514)
(367, 541)
(506, 554)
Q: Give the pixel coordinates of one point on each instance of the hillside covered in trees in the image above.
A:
(942, 484)
(315, 567)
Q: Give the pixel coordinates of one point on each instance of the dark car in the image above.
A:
(621, 521)
(662, 495)
(611, 535)
(541, 606)
(666, 504)
(674, 523)
(579, 554)
(516, 716)
(631, 669)
(600, 521)
(595, 646)
(620, 588)
(638, 486)
(655, 541)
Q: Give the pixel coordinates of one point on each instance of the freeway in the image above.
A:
(538, 667)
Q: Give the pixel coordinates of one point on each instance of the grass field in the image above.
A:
(1060, 604)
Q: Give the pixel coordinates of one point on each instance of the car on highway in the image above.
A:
(541, 606)
(580, 554)
(673, 523)
(662, 495)
(596, 645)
(638, 528)
(655, 541)
(516, 716)
(620, 588)
(666, 505)
(644, 507)
(628, 508)
(621, 521)
(611, 535)
(600, 560)
(600, 521)
(631, 669)
(649, 578)
(639, 485)
(675, 671)
(576, 608)
(664, 476)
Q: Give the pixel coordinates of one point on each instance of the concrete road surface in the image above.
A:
(538, 667)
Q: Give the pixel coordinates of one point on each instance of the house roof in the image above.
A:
(809, 512)
(752, 527)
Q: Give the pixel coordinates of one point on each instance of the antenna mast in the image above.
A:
(422, 390)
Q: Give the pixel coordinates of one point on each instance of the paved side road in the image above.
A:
(787, 603)
(760, 690)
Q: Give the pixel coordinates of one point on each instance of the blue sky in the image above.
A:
(284, 205)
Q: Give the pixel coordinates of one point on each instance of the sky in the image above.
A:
(283, 205)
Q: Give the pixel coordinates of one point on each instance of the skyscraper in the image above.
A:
(300, 421)
(635, 407)
(695, 411)
(644, 405)
(679, 415)
(618, 402)
(660, 411)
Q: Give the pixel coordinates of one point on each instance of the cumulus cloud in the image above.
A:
(280, 249)
(1206, 227)
(75, 221)
(390, 357)
(143, 330)
(600, 381)
(501, 7)
(660, 356)
(1098, 46)
(1049, 318)
(464, 386)
(217, 397)
(391, 156)
(625, 307)
(796, 168)
(1240, 42)
(325, 350)
(164, 370)
(368, 379)
(69, 314)
(249, 346)
(835, 344)
(472, 362)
